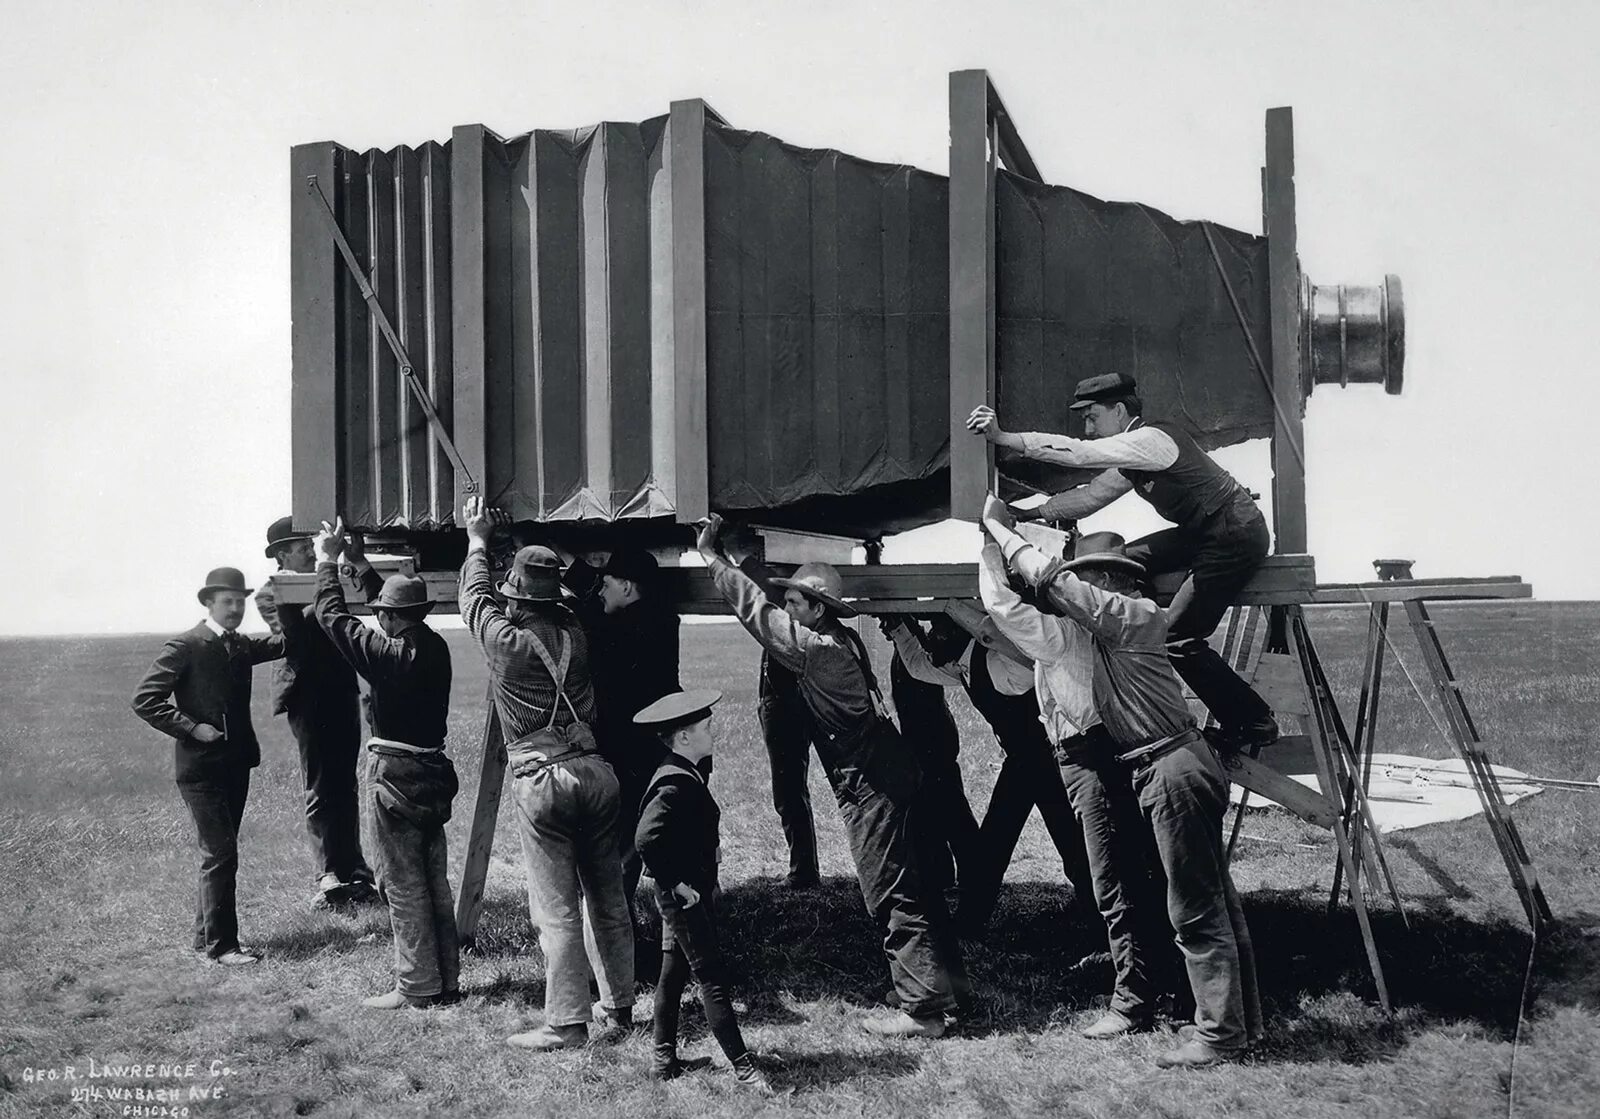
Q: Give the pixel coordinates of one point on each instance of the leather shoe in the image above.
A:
(1113, 1023)
(1195, 1053)
(749, 1074)
(901, 1024)
(235, 959)
(1186, 1033)
(667, 1065)
(546, 1038)
(399, 1000)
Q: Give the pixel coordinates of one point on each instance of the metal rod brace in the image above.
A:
(470, 485)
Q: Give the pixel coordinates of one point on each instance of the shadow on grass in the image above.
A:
(816, 1070)
(345, 932)
(1042, 965)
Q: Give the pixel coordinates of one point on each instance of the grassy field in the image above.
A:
(97, 869)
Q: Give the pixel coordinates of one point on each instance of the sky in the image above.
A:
(144, 292)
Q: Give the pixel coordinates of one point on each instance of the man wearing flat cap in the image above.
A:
(1220, 537)
(872, 772)
(411, 782)
(198, 692)
(316, 689)
(678, 840)
(633, 661)
(567, 796)
(1176, 778)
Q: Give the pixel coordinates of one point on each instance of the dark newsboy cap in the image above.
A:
(224, 579)
(1106, 386)
(403, 592)
(632, 564)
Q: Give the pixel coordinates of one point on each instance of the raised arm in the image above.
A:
(780, 635)
(364, 648)
(914, 656)
(1034, 634)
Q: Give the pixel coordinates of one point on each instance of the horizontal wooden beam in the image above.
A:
(876, 589)
(1419, 590)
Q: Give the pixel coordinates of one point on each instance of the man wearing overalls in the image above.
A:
(873, 774)
(567, 796)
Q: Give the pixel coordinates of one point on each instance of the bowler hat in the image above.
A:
(1105, 386)
(535, 575)
(821, 582)
(403, 592)
(633, 564)
(282, 532)
(679, 709)
(224, 579)
(1102, 550)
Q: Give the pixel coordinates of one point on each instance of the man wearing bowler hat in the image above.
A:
(567, 796)
(1176, 778)
(411, 782)
(198, 692)
(316, 689)
(1220, 537)
(873, 774)
(633, 661)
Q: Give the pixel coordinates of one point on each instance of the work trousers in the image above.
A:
(690, 946)
(876, 791)
(327, 730)
(1028, 778)
(217, 806)
(1117, 846)
(786, 731)
(1183, 795)
(414, 862)
(567, 816)
(946, 833)
(1220, 554)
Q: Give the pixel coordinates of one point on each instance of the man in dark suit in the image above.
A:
(633, 661)
(198, 691)
(317, 690)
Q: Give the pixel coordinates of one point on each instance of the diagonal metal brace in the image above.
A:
(470, 485)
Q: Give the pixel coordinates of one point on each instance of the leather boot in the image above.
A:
(667, 1065)
(749, 1074)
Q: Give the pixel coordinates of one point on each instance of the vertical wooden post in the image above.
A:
(314, 341)
(1283, 298)
(971, 287)
(467, 276)
(687, 178)
(485, 811)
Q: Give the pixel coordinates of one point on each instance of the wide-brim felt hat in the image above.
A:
(679, 709)
(403, 592)
(535, 576)
(1105, 386)
(224, 579)
(821, 582)
(1102, 550)
(281, 532)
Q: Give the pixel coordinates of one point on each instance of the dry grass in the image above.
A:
(96, 869)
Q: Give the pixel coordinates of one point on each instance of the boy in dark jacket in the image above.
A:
(198, 691)
(677, 839)
(412, 783)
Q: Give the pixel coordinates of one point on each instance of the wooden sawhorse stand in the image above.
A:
(1284, 666)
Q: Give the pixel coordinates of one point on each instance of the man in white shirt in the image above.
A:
(1220, 537)
(1116, 840)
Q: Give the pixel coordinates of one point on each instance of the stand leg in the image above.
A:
(1367, 718)
(1323, 731)
(1524, 878)
(491, 787)
(1356, 809)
